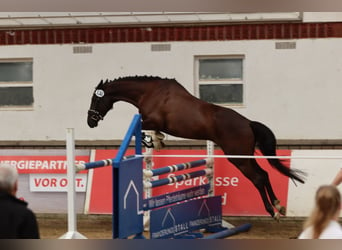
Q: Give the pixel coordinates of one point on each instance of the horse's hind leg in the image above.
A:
(272, 197)
(269, 190)
(258, 177)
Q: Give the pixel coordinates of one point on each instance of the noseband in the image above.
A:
(95, 115)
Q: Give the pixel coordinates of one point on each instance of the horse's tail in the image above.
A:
(266, 142)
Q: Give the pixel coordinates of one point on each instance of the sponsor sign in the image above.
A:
(186, 217)
(239, 196)
(37, 164)
(47, 173)
(178, 196)
(56, 182)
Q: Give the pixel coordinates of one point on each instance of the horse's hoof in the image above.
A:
(282, 210)
(147, 140)
(276, 216)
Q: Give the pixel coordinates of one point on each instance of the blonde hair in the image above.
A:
(8, 177)
(327, 205)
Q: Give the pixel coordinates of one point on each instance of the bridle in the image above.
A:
(95, 115)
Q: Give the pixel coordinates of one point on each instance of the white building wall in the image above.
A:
(296, 92)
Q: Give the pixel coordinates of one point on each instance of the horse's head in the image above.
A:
(101, 103)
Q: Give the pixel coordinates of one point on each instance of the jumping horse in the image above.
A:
(166, 106)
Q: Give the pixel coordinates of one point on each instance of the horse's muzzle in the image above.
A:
(92, 123)
(93, 118)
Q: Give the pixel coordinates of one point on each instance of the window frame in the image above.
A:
(14, 84)
(221, 81)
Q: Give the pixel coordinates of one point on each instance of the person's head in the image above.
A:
(327, 208)
(8, 179)
(328, 200)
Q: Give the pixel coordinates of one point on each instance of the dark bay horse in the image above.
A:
(166, 106)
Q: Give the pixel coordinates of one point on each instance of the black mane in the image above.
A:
(139, 78)
(133, 78)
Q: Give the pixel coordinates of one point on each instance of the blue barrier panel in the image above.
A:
(177, 220)
(129, 205)
(127, 177)
(177, 196)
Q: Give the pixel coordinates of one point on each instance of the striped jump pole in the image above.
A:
(173, 168)
(173, 179)
(94, 164)
(98, 164)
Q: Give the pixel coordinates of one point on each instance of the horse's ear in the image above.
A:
(99, 84)
(106, 81)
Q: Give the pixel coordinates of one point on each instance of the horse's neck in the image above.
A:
(130, 92)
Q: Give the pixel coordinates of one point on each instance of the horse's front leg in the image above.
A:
(147, 140)
(156, 135)
(157, 138)
(153, 139)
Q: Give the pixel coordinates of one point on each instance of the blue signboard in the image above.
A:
(174, 197)
(130, 191)
(177, 220)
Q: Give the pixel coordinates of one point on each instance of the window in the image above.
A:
(16, 78)
(220, 79)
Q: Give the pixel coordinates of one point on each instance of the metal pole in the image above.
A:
(72, 224)
(71, 180)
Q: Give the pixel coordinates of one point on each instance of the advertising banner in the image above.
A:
(56, 182)
(43, 178)
(239, 196)
(40, 164)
